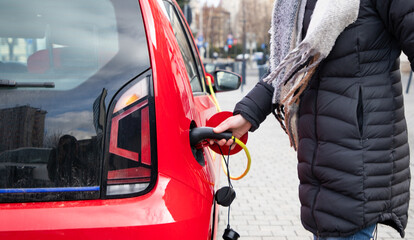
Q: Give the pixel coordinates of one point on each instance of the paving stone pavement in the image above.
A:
(267, 205)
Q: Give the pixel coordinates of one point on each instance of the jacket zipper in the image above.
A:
(360, 113)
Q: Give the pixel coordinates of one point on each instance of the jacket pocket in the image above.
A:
(360, 112)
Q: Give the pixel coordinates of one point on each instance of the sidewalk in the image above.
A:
(267, 205)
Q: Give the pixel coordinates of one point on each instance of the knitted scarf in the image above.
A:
(293, 60)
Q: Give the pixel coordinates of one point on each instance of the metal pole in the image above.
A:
(200, 20)
(200, 30)
(409, 81)
(244, 47)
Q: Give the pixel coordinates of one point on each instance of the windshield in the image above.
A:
(68, 59)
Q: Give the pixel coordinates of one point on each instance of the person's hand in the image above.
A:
(237, 124)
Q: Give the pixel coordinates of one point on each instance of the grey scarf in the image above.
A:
(293, 60)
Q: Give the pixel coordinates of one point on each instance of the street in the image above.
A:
(267, 204)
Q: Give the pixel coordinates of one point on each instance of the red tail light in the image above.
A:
(130, 168)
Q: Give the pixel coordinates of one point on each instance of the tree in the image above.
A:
(258, 19)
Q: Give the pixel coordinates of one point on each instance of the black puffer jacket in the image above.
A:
(353, 152)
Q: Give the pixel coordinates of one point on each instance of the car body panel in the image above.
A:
(181, 205)
(175, 93)
(152, 216)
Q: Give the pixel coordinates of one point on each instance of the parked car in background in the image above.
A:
(258, 56)
(96, 102)
(239, 57)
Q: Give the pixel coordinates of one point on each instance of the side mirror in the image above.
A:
(226, 81)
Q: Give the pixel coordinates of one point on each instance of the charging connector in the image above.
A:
(201, 133)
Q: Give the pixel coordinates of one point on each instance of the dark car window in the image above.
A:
(51, 138)
(185, 48)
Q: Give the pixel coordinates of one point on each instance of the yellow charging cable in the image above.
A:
(213, 95)
(236, 140)
(223, 163)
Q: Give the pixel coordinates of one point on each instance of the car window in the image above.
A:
(185, 48)
(56, 46)
(51, 139)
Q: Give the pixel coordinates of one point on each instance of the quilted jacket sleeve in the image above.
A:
(256, 105)
(398, 17)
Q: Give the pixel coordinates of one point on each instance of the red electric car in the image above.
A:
(97, 99)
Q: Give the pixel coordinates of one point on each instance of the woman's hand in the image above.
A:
(237, 124)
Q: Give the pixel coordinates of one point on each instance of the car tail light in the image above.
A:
(130, 169)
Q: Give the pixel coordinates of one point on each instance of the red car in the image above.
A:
(97, 99)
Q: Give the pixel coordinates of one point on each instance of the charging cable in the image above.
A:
(249, 161)
(213, 95)
(226, 166)
(236, 140)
